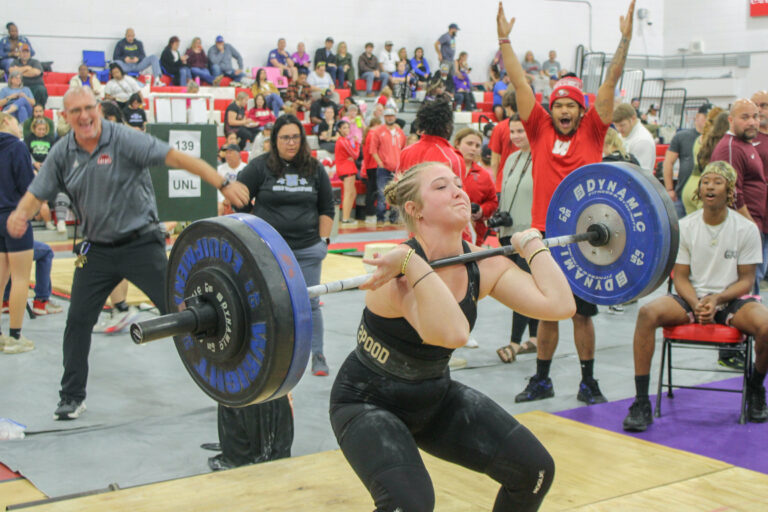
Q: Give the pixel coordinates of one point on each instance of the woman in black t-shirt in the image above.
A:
(394, 393)
(135, 117)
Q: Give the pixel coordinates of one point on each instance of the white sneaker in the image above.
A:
(159, 83)
(471, 343)
(47, 307)
(61, 227)
(121, 320)
(12, 345)
(370, 220)
(456, 363)
(50, 226)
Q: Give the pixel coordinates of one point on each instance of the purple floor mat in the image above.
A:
(702, 422)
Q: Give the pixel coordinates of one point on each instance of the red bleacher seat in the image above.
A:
(476, 116)
(661, 149)
(48, 113)
(485, 105)
(168, 89)
(221, 104)
(307, 128)
(53, 77)
(221, 115)
(360, 84)
(56, 89)
(343, 93)
(244, 156)
(300, 115)
(225, 81)
(488, 96)
(220, 141)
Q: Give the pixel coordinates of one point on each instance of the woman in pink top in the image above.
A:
(301, 58)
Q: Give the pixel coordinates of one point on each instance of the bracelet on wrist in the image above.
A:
(535, 253)
(404, 264)
(504, 40)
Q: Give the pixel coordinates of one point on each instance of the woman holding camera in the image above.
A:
(514, 215)
(477, 183)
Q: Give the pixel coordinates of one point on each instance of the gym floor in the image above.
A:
(146, 419)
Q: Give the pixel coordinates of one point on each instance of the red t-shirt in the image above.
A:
(431, 148)
(346, 153)
(480, 189)
(368, 161)
(555, 156)
(751, 188)
(501, 145)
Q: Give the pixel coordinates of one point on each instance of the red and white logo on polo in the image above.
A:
(104, 159)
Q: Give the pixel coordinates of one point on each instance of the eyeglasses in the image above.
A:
(762, 105)
(78, 110)
(289, 138)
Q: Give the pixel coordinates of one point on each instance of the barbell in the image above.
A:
(243, 324)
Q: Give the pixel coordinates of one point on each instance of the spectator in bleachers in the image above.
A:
(498, 64)
(10, 47)
(112, 112)
(235, 120)
(129, 55)
(258, 147)
(388, 59)
(174, 63)
(280, 58)
(501, 143)
(368, 172)
(220, 57)
(261, 112)
(386, 98)
(402, 54)
(197, 61)
(84, 78)
(134, 114)
(445, 46)
(355, 119)
(321, 83)
(446, 79)
(327, 131)
(637, 138)
(38, 112)
(120, 86)
(377, 112)
(39, 141)
(317, 109)
(461, 63)
(326, 55)
(231, 138)
(551, 67)
(32, 74)
(477, 182)
(229, 170)
(386, 145)
(435, 90)
(368, 67)
(463, 97)
(614, 149)
(420, 68)
(16, 99)
(271, 94)
(399, 80)
(346, 152)
(345, 67)
(300, 59)
(298, 95)
(531, 66)
(15, 251)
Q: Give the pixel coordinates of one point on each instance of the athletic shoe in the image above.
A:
(50, 226)
(589, 393)
(734, 362)
(69, 410)
(45, 307)
(537, 389)
(319, 366)
(471, 343)
(370, 220)
(6, 306)
(17, 346)
(61, 227)
(106, 319)
(616, 310)
(757, 411)
(457, 363)
(121, 320)
(219, 463)
(639, 416)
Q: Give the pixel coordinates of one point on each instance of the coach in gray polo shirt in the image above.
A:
(103, 168)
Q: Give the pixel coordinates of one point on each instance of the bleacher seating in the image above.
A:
(360, 85)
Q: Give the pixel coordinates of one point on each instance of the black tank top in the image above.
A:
(398, 334)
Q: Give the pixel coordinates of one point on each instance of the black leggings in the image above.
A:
(380, 423)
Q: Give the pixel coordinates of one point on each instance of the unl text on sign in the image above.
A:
(183, 184)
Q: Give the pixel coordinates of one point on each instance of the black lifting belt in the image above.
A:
(379, 357)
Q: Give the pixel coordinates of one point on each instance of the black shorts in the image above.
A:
(724, 313)
(11, 244)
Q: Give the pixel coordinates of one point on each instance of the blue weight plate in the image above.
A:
(633, 201)
(257, 357)
(301, 311)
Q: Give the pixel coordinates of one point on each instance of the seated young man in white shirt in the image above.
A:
(714, 274)
(231, 167)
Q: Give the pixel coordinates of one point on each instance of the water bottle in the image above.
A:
(10, 429)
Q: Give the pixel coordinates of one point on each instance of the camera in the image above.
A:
(475, 208)
(500, 219)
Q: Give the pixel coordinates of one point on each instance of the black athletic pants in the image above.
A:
(380, 423)
(143, 262)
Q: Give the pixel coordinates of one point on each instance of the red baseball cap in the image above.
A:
(569, 87)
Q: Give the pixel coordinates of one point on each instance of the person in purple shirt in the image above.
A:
(462, 96)
(279, 58)
(301, 58)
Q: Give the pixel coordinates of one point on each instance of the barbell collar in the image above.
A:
(198, 318)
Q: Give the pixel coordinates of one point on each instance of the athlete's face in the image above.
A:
(444, 202)
(713, 190)
(566, 115)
